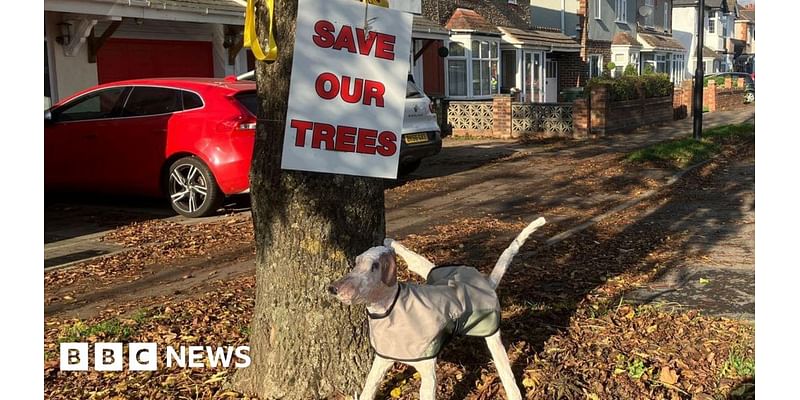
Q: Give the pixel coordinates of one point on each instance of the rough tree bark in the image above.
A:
(308, 227)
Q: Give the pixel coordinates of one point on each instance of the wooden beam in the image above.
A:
(428, 43)
(96, 43)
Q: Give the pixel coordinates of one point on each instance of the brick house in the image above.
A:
(718, 17)
(745, 39)
(496, 46)
(635, 32)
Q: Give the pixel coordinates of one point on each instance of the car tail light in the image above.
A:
(240, 125)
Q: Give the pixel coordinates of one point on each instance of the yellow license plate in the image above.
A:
(416, 138)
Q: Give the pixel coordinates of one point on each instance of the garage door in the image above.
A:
(121, 59)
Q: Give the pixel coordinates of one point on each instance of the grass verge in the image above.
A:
(681, 153)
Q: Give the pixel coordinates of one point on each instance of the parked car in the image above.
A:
(749, 83)
(188, 138)
(421, 136)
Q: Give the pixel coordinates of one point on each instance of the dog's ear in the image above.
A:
(389, 271)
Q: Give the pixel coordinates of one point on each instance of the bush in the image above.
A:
(630, 70)
(648, 69)
(719, 79)
(628, 87)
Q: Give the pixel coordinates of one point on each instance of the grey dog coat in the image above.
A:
(457, 300)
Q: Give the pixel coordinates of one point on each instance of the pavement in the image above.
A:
(716, 272)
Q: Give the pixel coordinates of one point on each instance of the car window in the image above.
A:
(95, 105)
(249, 100)
(191, 100)
(412, 91)
(145, 100)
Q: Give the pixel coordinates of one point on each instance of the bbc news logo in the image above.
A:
(144, 356)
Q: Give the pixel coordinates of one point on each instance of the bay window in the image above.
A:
(480, 61)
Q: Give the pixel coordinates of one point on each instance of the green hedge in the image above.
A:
(627, 87)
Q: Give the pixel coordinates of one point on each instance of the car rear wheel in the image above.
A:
(749, 97)
(192, 189)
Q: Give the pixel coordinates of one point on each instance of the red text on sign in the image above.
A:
(344, 138)
(360, 43)
(351, 90)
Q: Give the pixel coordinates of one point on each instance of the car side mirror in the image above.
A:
(48, 116)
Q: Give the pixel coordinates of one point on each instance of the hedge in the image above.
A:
(627, 87)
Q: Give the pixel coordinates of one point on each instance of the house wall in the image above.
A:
(548, 14)
(605, 27)
(684, 24)
(497, 12)
(659, 24)
(70, 74)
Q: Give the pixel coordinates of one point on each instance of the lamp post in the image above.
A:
(697, 104)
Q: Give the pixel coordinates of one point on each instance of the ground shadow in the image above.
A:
(549, 282)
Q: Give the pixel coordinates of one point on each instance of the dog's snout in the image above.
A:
(333, 290)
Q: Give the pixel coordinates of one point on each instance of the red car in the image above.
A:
(188, 138)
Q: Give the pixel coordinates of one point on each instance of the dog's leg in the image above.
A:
(427, 373)
(503, 366)
(416, 263)
(379, 367)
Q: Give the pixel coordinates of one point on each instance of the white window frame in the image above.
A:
(489, 59)
(464, 58)
(621, 10)
(514, 2)
(598, 5)
(711, 25)
(667, 27)
(650, 20)
(599, 65)
(465, 40)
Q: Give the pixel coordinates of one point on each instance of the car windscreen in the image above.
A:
(249, 100)
(412, 91)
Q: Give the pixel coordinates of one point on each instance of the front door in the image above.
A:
(551, 81)
(534, 84)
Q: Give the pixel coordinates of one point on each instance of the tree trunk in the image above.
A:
(308, 229)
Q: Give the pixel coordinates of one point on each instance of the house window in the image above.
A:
(649, 20)
(514, 2)
(725, 30)
(595, 65)
(678, 68)
(666, 16)
(711, 24)
(457, 70)
(598, 6)
(484, 68)
(622, 10)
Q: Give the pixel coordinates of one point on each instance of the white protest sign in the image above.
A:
(348, 89)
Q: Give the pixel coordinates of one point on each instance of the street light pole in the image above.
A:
(697, 104)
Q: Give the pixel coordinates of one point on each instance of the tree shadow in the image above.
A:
(541, 292)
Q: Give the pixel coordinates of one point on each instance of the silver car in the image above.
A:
(422, 136)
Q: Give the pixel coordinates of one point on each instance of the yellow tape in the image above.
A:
(251, 37)
(382, 3)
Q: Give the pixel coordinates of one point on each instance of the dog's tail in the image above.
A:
(508, 254)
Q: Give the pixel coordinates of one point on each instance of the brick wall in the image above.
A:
(618, 116)
(725, 97)
(570, 70)
(497, 12)
(597, 47)
(501, 121)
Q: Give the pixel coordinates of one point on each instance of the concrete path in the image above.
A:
(717, 273)
(471, 182)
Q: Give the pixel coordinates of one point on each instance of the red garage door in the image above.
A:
(121, 59)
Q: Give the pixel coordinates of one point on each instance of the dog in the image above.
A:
(410, 323)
